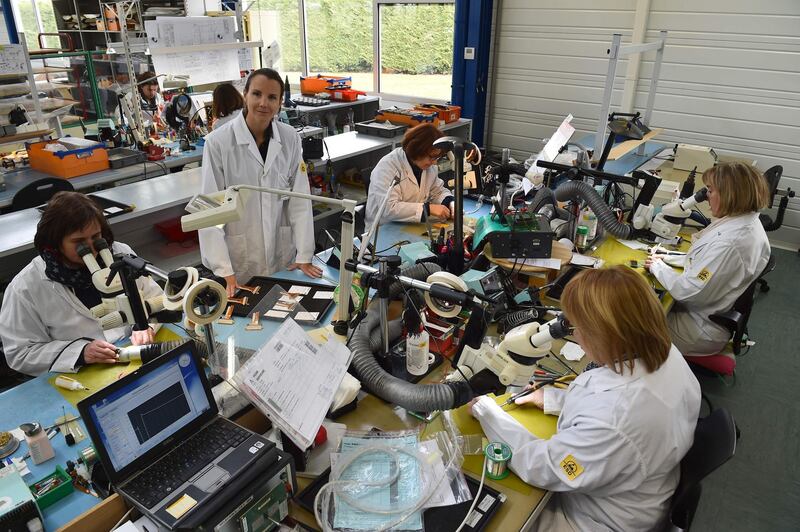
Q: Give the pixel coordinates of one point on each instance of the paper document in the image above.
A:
(552, 264)
(292, 380)
(585, 260)
(550, 150)
(572, 351)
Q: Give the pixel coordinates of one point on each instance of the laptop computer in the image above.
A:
(163, 444)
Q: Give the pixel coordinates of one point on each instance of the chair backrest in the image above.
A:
(773, 176)
(714, 444)
(39, 192)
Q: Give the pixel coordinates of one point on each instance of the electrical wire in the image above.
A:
(477, 496)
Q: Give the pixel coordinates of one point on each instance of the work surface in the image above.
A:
(38, 400)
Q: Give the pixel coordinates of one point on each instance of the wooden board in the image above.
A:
(560, 251)
(629, 145)
(24, 136)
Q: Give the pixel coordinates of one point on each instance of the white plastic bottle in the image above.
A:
(38, 443)
(417, 349)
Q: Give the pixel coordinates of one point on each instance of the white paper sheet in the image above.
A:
(272, 379)
(552, 264)
(572, 351)
(323, 295)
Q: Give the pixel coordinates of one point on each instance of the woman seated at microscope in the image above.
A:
(725, 258)
(47, 322)
(623, 426)
(420, 192)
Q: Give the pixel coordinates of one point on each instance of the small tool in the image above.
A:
(227, 318)
(68, 383)
(254, 324)
(238, 300)
(252, 289)
(551, 355)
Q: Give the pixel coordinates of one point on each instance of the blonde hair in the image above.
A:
(619, 317)
(740, 187)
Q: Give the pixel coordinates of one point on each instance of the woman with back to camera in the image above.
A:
(725, 258)
(276, 232)
(420, 191)
(226, 106)
(47, 322)
(623, 427)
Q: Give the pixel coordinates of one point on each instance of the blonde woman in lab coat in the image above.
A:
(623, 427)
(725, 258)
(256, 149)
(415, 163)
(47, 324)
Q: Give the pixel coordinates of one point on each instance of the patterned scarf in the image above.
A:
(80, 280)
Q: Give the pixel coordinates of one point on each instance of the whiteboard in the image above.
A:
(209, 66)
(12, 59)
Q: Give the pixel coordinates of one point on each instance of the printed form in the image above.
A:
(292, 380)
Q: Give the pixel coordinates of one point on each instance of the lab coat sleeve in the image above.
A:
(710, 272)
(27, 344)
(553, 400)
(301, 215)
(397, 210)
(213, 248)
(586, 457)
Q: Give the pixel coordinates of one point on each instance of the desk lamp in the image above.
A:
(219, 208)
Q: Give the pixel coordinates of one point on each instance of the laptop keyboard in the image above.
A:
(185, 461)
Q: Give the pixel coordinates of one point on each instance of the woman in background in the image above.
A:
(226, 106)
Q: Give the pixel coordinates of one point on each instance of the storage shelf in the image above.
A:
(51, 70)
(24, 136)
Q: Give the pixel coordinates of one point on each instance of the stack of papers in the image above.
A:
(292, 380)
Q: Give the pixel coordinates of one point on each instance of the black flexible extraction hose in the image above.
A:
(605, 216)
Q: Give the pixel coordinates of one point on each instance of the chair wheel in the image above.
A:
(764, 289)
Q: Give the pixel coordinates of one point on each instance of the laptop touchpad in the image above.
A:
(212, 479)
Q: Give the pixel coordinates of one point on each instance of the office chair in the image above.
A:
(735, 320)
(39, 192)
(714, 444)
(773, 176)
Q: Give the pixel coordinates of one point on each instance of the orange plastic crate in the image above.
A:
(409, 117)
(67, 164)
(446, 113)
(312, 85)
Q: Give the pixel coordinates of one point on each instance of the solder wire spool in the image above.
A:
(89, 456)
(498, 455)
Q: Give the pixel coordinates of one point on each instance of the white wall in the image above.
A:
(730, 77)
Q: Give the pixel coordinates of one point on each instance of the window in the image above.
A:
(279, 20)
(34, 17)
(416, 48)
(340, 41)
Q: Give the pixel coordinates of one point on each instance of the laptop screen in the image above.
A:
(147, 410)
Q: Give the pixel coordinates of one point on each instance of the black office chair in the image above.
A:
(773, 176)
(39, 192)
(714, 444)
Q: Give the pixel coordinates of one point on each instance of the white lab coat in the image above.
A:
(274, 232)
(617, 451)
(44, 326)
(725, 258)
(407, 197)
(149, 117)
(221, 121)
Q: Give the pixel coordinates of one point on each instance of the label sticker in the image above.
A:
(704, 275)
(486, 503)
(571, 467)
(181, 506)
(474, 518)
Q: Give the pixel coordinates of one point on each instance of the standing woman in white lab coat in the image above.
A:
(420, 190)
(623, 427)
(254, 148)
(46, 323)
(725, 258)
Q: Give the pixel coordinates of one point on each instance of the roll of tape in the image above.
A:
(189, 301)
(442, 308)
(174, 300)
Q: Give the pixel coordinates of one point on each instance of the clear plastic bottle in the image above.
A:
(38, 443)
(589, 219)
(417, 352)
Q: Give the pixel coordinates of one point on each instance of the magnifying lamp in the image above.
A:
(219, 208)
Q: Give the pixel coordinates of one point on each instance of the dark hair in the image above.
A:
(66, 213)
(227, 99)
(267, 73)
(418, 141)
(147, 76)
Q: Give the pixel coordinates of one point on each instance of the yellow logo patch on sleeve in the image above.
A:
(571, 467)
(704, 275)
(302, 166)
